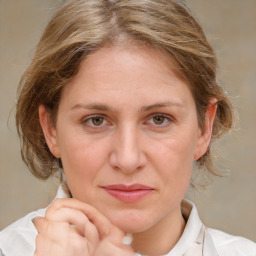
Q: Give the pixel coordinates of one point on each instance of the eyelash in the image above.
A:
(167, 119)
(86, 120)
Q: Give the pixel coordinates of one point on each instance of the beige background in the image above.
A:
(230, 203)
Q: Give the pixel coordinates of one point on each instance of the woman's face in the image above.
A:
(127, 134)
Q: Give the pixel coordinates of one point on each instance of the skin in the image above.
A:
(125, 118)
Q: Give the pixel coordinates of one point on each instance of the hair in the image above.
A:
(79, 28)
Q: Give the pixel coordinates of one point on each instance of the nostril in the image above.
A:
(127, 163)
(126, 154)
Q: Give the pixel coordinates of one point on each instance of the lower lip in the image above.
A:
(128, 196)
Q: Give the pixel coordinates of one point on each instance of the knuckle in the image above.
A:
(49, 212)
(56, 205)
(39, 224)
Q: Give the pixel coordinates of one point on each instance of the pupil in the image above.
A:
(158, 119)
(97, 120)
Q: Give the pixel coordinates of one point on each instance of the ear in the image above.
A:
(204, 136)
(49, 131)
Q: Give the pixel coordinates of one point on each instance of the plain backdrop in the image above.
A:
(229, 203)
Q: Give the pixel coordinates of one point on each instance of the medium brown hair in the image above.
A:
(80, 27)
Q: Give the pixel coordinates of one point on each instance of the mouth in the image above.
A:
(128, 194)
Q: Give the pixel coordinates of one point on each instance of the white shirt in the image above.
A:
(18, 239)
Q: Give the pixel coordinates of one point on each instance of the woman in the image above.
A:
(121, 98)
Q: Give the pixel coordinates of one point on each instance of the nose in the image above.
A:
(127, 154)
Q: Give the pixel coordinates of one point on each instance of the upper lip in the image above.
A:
(132, 187)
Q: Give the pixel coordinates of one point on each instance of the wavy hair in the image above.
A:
(80, 27)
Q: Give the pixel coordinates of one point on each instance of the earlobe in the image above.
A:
(49, 131)
(204, 136)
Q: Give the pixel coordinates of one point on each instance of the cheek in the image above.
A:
(173, 158)
(176, 152)
(82, 160)
(78, 149)
(172, 162)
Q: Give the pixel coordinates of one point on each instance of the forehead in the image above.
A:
(133, 72)
(131, 56)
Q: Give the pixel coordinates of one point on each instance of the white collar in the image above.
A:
(191, 231)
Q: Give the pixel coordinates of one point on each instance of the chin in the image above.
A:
(131, 227)
(131, 221)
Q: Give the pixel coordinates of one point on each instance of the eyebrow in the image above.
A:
(100, 107)
(161, 105)
(105, 108)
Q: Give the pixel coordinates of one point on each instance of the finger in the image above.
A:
(113, 234)
(92, 235)
(75, 245)
(38, 223)
(74, 217)
(58, 238)
(103, 225)
(78, 220)
(55, 231)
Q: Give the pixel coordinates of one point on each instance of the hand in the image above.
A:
(73, 228)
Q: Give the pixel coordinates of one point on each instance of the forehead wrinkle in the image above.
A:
(105, 108)
(160, 105)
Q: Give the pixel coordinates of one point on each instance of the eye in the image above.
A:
(159, 120)
(97, 121)
(94, 121)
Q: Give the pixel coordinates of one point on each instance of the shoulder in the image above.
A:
(232, 245)
(19, 238)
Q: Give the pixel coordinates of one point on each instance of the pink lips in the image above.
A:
(128, 194)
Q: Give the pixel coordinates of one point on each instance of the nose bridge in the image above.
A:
(127, 154)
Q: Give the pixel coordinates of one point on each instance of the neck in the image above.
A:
(161, 238)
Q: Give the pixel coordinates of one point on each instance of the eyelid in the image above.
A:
(161, 114)
(148, 118)
(89, 117)
(168, 117)
(94, 115)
